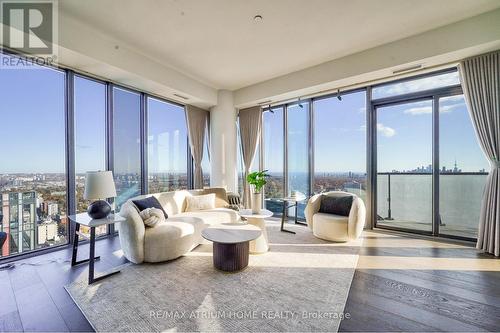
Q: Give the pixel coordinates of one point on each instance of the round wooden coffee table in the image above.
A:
(231, 244)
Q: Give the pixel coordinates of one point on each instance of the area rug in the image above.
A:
(301, 284)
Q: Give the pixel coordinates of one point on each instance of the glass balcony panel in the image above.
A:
(404, 166)
(463, 170)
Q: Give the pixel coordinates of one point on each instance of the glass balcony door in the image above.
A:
(298, 143)
(404, 145)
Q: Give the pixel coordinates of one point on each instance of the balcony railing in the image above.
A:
(404, 200)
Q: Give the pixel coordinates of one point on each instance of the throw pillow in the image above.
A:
(152, 216)
(336, 205)
(220, 195)
(200, 202)
(149, 202)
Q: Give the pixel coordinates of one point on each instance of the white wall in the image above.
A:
(223, 142)
(443, 45)
(89, 50)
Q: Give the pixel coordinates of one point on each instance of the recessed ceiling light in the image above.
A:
(258, 18)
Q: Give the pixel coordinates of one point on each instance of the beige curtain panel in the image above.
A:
(250, 126)
(197, 120)
(481, 85)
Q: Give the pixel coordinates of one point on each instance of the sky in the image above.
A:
(32, 129)
(167, 137)
(32, 126)
(404, 132)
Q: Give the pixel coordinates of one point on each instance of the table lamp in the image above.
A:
(99, 185)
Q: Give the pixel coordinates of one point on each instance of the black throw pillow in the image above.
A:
(149, 202)
(336, 205)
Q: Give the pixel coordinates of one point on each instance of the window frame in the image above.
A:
(144, 145)
(371, 150)
(69, 147)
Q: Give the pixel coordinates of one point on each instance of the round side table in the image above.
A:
(261, 244)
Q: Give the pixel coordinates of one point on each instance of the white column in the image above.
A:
(223, 142)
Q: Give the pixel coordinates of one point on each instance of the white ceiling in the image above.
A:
(218, 43)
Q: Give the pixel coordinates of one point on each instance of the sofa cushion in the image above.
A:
(212, 216)
(170, 239)
(338, 205)
(331, 227)
(200, 202)
(149, 202)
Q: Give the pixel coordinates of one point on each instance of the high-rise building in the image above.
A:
(19, 222)
(49, 208)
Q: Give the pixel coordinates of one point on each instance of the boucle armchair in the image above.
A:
(336, 228)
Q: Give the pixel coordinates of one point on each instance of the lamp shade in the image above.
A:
(99, 185)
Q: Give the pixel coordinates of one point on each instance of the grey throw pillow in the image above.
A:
(336, 205)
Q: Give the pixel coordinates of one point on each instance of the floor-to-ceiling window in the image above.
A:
(32, 169)
(463, 170)
(404, 165)
(90, 136)
(298, 144)
(430, 169)
(340, 143)
(42, 146)
(273, 145)
(167, 146)
(126, 144)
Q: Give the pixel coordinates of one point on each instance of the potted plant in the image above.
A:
(257, 179)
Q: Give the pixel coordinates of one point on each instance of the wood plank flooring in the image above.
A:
(32, 297)
(405, 283)
(402, 283)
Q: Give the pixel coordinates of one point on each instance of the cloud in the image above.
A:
(453, 99)
(419, 110)
(386, 131)
(449, 108)
(427, 83)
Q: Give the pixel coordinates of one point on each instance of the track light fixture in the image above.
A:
(270, 110)
(300, 104)
(338, 95)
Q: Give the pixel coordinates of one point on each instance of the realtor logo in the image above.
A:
(29, 27)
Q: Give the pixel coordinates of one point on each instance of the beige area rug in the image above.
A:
(301, 284)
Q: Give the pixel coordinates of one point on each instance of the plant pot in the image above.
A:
(256, 203)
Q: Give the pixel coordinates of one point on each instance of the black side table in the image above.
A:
(85, 220)
(290, 202)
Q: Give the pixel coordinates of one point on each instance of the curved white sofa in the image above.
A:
(178, 234)
(333, 227)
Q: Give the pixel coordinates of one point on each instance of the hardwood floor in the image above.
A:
(32, 297)
(402, 283)
(405, 283)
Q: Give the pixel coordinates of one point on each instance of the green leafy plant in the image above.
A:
(257, 179)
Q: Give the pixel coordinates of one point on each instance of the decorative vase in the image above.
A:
(256, 203)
